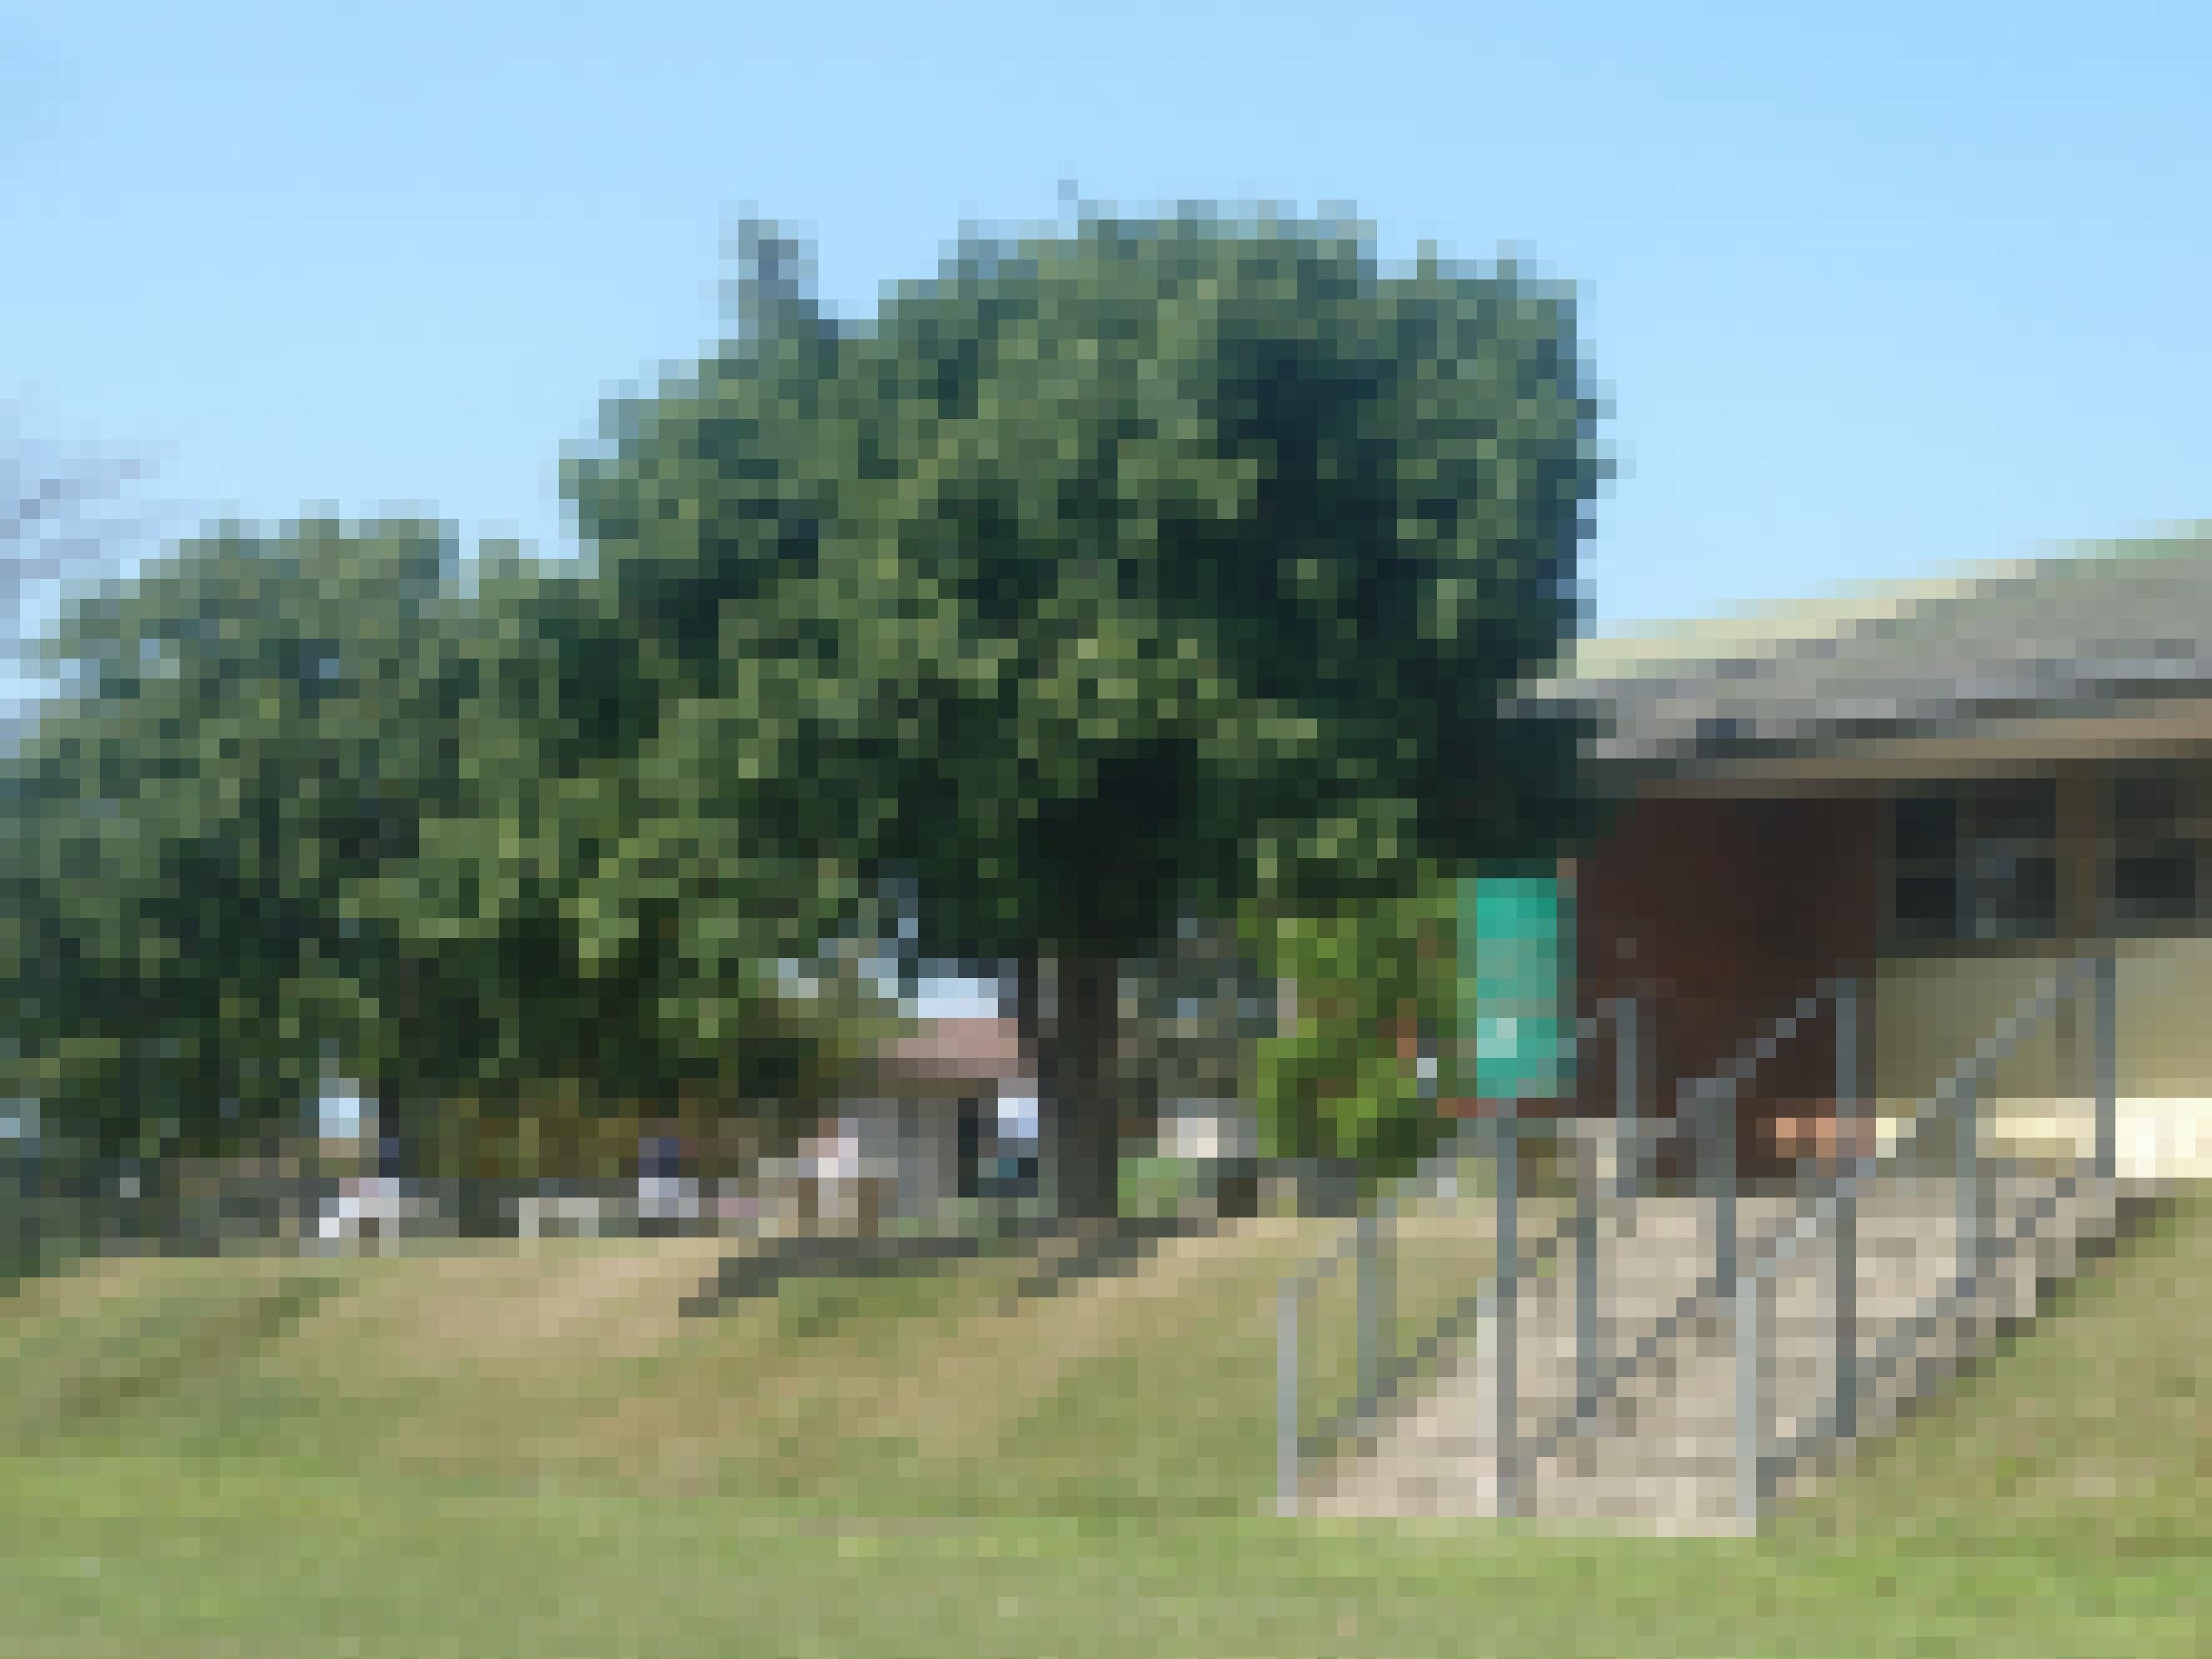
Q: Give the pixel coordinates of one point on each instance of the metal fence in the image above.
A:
(1820, 1213)
(1493, 1150)
(1828, 1218)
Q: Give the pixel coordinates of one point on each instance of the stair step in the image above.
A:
(1656, 1450)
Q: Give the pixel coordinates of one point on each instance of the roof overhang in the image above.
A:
(1993, 748)
(2008, 667)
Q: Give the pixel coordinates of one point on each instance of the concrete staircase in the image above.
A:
(1655, 1447)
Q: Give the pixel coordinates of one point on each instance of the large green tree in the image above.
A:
(1117, 576)
(244, 733)
(603, 878)
(331, 798)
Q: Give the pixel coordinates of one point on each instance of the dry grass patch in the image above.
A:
(517, 1306)
(967, 1394)
(2097, 1407)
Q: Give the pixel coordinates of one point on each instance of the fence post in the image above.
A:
(1286, 1397)
(1506, 1403)
(1372, 1314)
(1968, 1180)
(1723, 1106)
(1847, 1129)
(2108, 1104)
(1586, 1321)
(1627, 1161)
(1386, 1304)
(1750, 1485)
(1627, 1062)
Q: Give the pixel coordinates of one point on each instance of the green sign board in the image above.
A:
(1515, 986)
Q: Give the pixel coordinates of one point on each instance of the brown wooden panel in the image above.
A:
(1720, 912)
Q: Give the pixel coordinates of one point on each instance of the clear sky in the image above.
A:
(1872, 288)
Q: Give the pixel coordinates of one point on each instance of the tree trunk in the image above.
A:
(1069, 1023)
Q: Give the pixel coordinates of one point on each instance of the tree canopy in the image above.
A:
(250, 731)
(1110, 576)
(322, 800)
(1141, 571)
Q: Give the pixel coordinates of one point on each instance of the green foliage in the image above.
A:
(1141, 571)
(1373, 981)
(255, 726)
(324, 799)
(1189, 1011)
(1152, 569)
(1118, 574)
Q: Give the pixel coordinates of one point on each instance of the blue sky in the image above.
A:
(1872, 290)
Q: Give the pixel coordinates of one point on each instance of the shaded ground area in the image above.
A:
(1061, 1256)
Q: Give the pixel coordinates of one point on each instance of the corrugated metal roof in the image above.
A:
(2099, 630)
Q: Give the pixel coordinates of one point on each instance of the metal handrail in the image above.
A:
(1361, 1242)
(1826, 1214)
(1706, 1109)
(1948, 1097)
(1897, 1348)
(1323, 1267)
(1833, 1212)
(1318, 1271)
(1695, 1099)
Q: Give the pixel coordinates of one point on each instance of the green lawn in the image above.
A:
(526, 1453)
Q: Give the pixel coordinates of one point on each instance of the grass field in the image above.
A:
(532, 1453)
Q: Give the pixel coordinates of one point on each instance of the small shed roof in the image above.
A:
(983, 1049)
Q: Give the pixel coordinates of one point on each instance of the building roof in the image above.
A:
(2101, 629)
(976, 1049)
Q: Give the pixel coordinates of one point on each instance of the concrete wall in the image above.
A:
(2164, 1028)
(912, 1146)
(1930, 1012)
